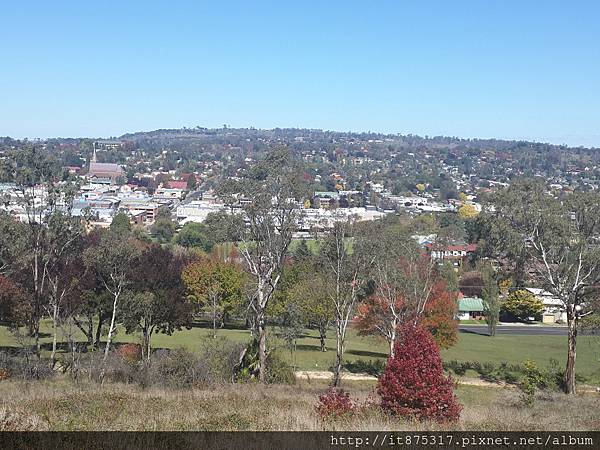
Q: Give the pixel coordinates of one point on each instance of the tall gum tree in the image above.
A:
(556, 241)
(270, 195)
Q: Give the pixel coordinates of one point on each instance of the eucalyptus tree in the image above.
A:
(44, 201)
(403, 280)
(269, 194)
(112, 260)
(556, 241)
(345, 271)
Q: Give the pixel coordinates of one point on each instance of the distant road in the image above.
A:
(516, 329)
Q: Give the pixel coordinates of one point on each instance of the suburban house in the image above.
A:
(470, 308)
(454, 253)
(554, 309)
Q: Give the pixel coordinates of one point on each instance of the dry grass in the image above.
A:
(64, 405)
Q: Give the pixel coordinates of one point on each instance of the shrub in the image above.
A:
(24, 368)
(116, 369)
(335, 403)
(370, 367)
(279, 371)
(219, 358)
(178, 368)
(413, 383)
(129, 352)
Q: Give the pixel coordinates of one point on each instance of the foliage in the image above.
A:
(222, 227)
(523, 304)
(214, 285)
(467, 212)
(471, 284)
(334, 404)
(163, 229)
(121, 224)
(413, 384)
(156, 300)
(194, 235)
(370, 367)
(129, 352)
(491, 298)
(439, 315)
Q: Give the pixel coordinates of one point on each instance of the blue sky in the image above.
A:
(506, 69)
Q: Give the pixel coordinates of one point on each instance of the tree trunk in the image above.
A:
(54, 333)
(262, 350)
(146, 348)
(571, 355)
(111, 330)
(322, 337)
(96, 343)
(36, 336)
(337, 369)
(214, 317)
(392, 340)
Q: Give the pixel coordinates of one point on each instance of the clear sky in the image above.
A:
(486, 68)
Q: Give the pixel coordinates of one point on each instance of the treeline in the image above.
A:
(371, 274)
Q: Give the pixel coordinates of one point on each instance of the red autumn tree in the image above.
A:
(376, 317)
(440, 315)
(413, 384)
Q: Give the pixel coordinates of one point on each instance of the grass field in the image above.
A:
(62, 404)
(470, 347)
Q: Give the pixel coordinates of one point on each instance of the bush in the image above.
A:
(219, 358)
(335, 403)
(178, 368)
(370, 367)
(413, 383)
(116, 368)
(130, 352)
(279, 371)
(23, 368)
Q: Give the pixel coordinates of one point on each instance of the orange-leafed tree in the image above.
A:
(440, 315)
(375, 317)
(407, 287)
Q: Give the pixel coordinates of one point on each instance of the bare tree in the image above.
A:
(269, 195)
(345, 269)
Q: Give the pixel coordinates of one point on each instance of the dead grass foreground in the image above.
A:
(65, 405)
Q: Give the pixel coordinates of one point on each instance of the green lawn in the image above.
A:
(471, 347)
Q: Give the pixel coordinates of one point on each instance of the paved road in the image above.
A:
(516, 329)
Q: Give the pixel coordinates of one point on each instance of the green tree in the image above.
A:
(302, 251)
(556, 240)
(311, 297)
(191, 183)
(121, 224)
(491, 298)
(194, 235)
(272, 187)
(163, 229)
(112, 260)
(523, 304)
(216, 286)
(222, 227)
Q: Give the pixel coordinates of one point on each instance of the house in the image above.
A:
(470, 308)
(554, 309)
(454, 253)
